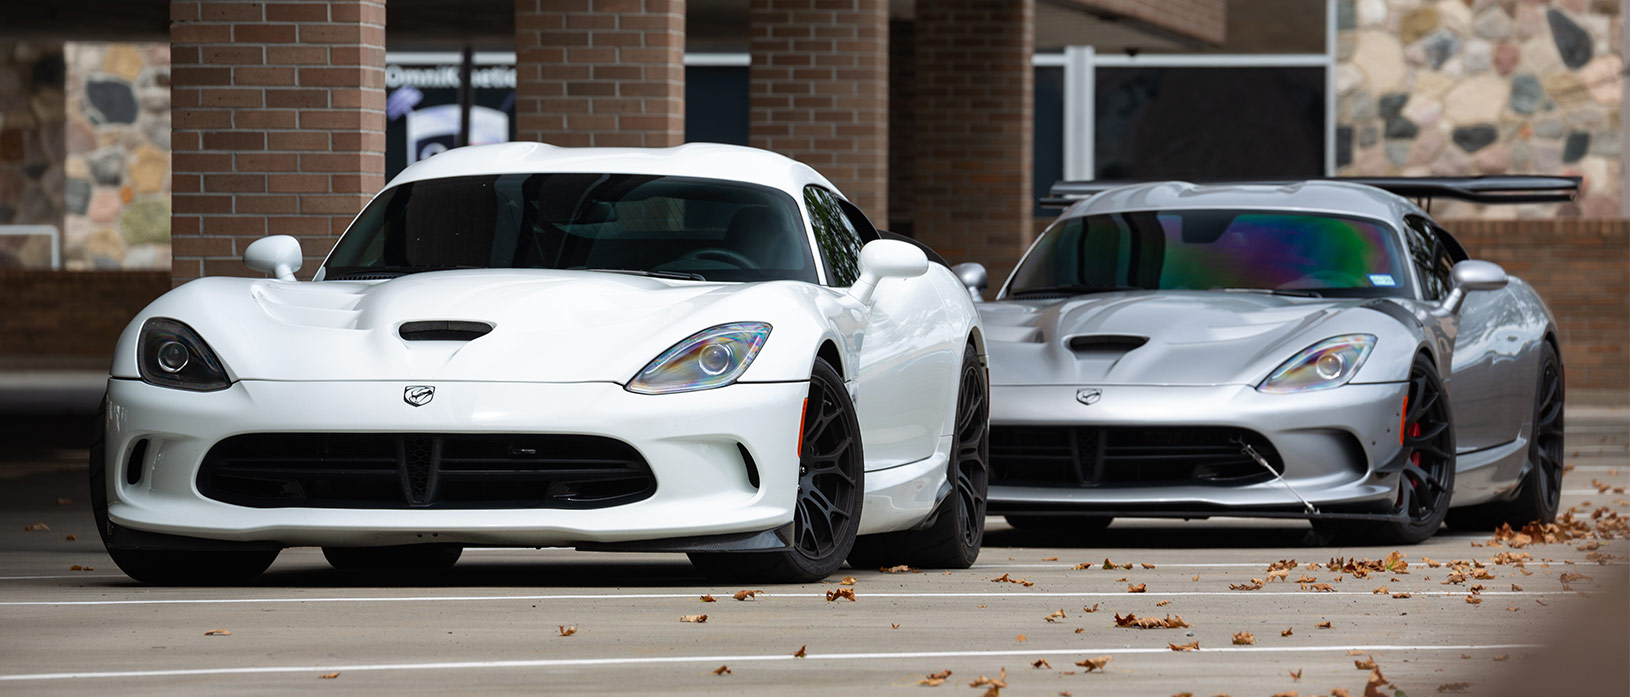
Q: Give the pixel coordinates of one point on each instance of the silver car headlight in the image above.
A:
(710, 358)
(1329, 363)
(171, 354)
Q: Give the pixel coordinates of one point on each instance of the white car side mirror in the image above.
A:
(881, 259)
(1470, 275)
(278, 255)
(974, 276)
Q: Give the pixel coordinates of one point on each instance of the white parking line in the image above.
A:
(749, 658)
(1428, 593)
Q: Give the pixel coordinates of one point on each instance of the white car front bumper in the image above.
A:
(692, 442)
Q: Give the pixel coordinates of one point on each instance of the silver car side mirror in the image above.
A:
(973, 275)
(1470, 275)
(278, 255)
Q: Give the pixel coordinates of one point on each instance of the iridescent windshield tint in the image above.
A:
(1217, 249)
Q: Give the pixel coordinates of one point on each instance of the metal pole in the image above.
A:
(466, 95)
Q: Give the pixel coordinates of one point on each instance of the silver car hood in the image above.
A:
(1188, 337)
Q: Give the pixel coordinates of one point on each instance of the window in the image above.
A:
(839, 241)
(1431, 256)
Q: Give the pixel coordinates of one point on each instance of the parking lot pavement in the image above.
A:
(493, 624)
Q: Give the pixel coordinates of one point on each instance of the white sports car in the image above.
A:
(701, 349)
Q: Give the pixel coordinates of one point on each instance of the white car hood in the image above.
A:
(1193, 338)
(548, 326)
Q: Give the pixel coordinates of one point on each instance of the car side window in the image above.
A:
(1430, 256)
(858, 220)
(837, 238)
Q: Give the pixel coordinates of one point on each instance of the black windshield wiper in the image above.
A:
(682, 275)
(1293, 292)
(373, 272)
(1070, 290)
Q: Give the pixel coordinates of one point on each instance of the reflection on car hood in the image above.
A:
(556, 326)
(1187, 337)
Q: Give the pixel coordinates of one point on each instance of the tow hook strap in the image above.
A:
(1252, 453)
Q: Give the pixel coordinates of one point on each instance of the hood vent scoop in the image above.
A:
(1105, 343)
(444, 330)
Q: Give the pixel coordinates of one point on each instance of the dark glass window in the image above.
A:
(716, 104)
(1048, 164)
(839, 241)
(1431, 257)
(1209, 123)
(1214, 249)
(682, 226)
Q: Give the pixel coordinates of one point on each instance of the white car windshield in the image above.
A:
(1282, 252)
(678, 227)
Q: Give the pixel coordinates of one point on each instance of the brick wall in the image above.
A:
(819, 90)
(1205, 20)
(973, 129)
(278, 125)
(61, 315)
(1582, 269)
(600, 72)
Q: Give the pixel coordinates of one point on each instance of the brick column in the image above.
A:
(819, 90)
(278, 125)
(973, 136)
(600, 72)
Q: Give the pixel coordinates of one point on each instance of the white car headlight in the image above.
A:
(710, 358)
(171, 354)
(1329, 363)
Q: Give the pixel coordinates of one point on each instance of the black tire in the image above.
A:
(1070, 525)
(953, 540)
(1427, 480)
(163, 567)
(831, 482)
(1539, 496)
(392, 559)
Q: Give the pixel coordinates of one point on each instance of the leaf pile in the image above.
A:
(1131, 620)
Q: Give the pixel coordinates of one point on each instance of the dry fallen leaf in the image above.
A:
(1041, 663)
(78, 567)
(709, 599)
(1138, 588)
(1092, 664)
(328, 676)
(1094, 608)
(64, 501)
(1400, 596)
(1287, 693)
(1501, 657)
(1004, 578)
(1366, 664)
(72, 537)
(1081, 567)
(568, 631)
(1056, 615)
(901, 569)
(1196, 577)
(1323, 625)
(1287, 632)
(1021, 637)
(1372, 687)
(848, 581)
(1380, 591)
(218, 632)
(1049, 558)
(1244, 639)
(992, 692)
(1191, 646)
(893, 625)
(802, 652)
(1079, 630)
(1163, 603)
(1147, 565)
(934, 679)
(36, 527)
(747, 595)
(996, 682)
(837, 593)
(1473, 600)
(698, 619)
(1454, 687)
(722, 670)
(1243, 587)
(1296, 675)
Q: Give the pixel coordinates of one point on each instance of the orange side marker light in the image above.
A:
(804, 411)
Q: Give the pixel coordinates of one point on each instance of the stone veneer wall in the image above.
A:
(118, 141)
(31, 155)
(1464, 87)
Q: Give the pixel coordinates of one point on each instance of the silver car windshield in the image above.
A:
(1286, 252)
(678, 227)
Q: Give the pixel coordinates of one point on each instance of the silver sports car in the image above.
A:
(1315, 349)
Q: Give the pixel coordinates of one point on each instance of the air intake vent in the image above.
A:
(444, 330)
(1106, 343)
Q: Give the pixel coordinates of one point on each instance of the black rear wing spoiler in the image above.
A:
(1492, 189)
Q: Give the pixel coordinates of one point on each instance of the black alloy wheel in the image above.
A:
(1539, 496)
(1426, 481)
(951, 540)
(826, 513)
